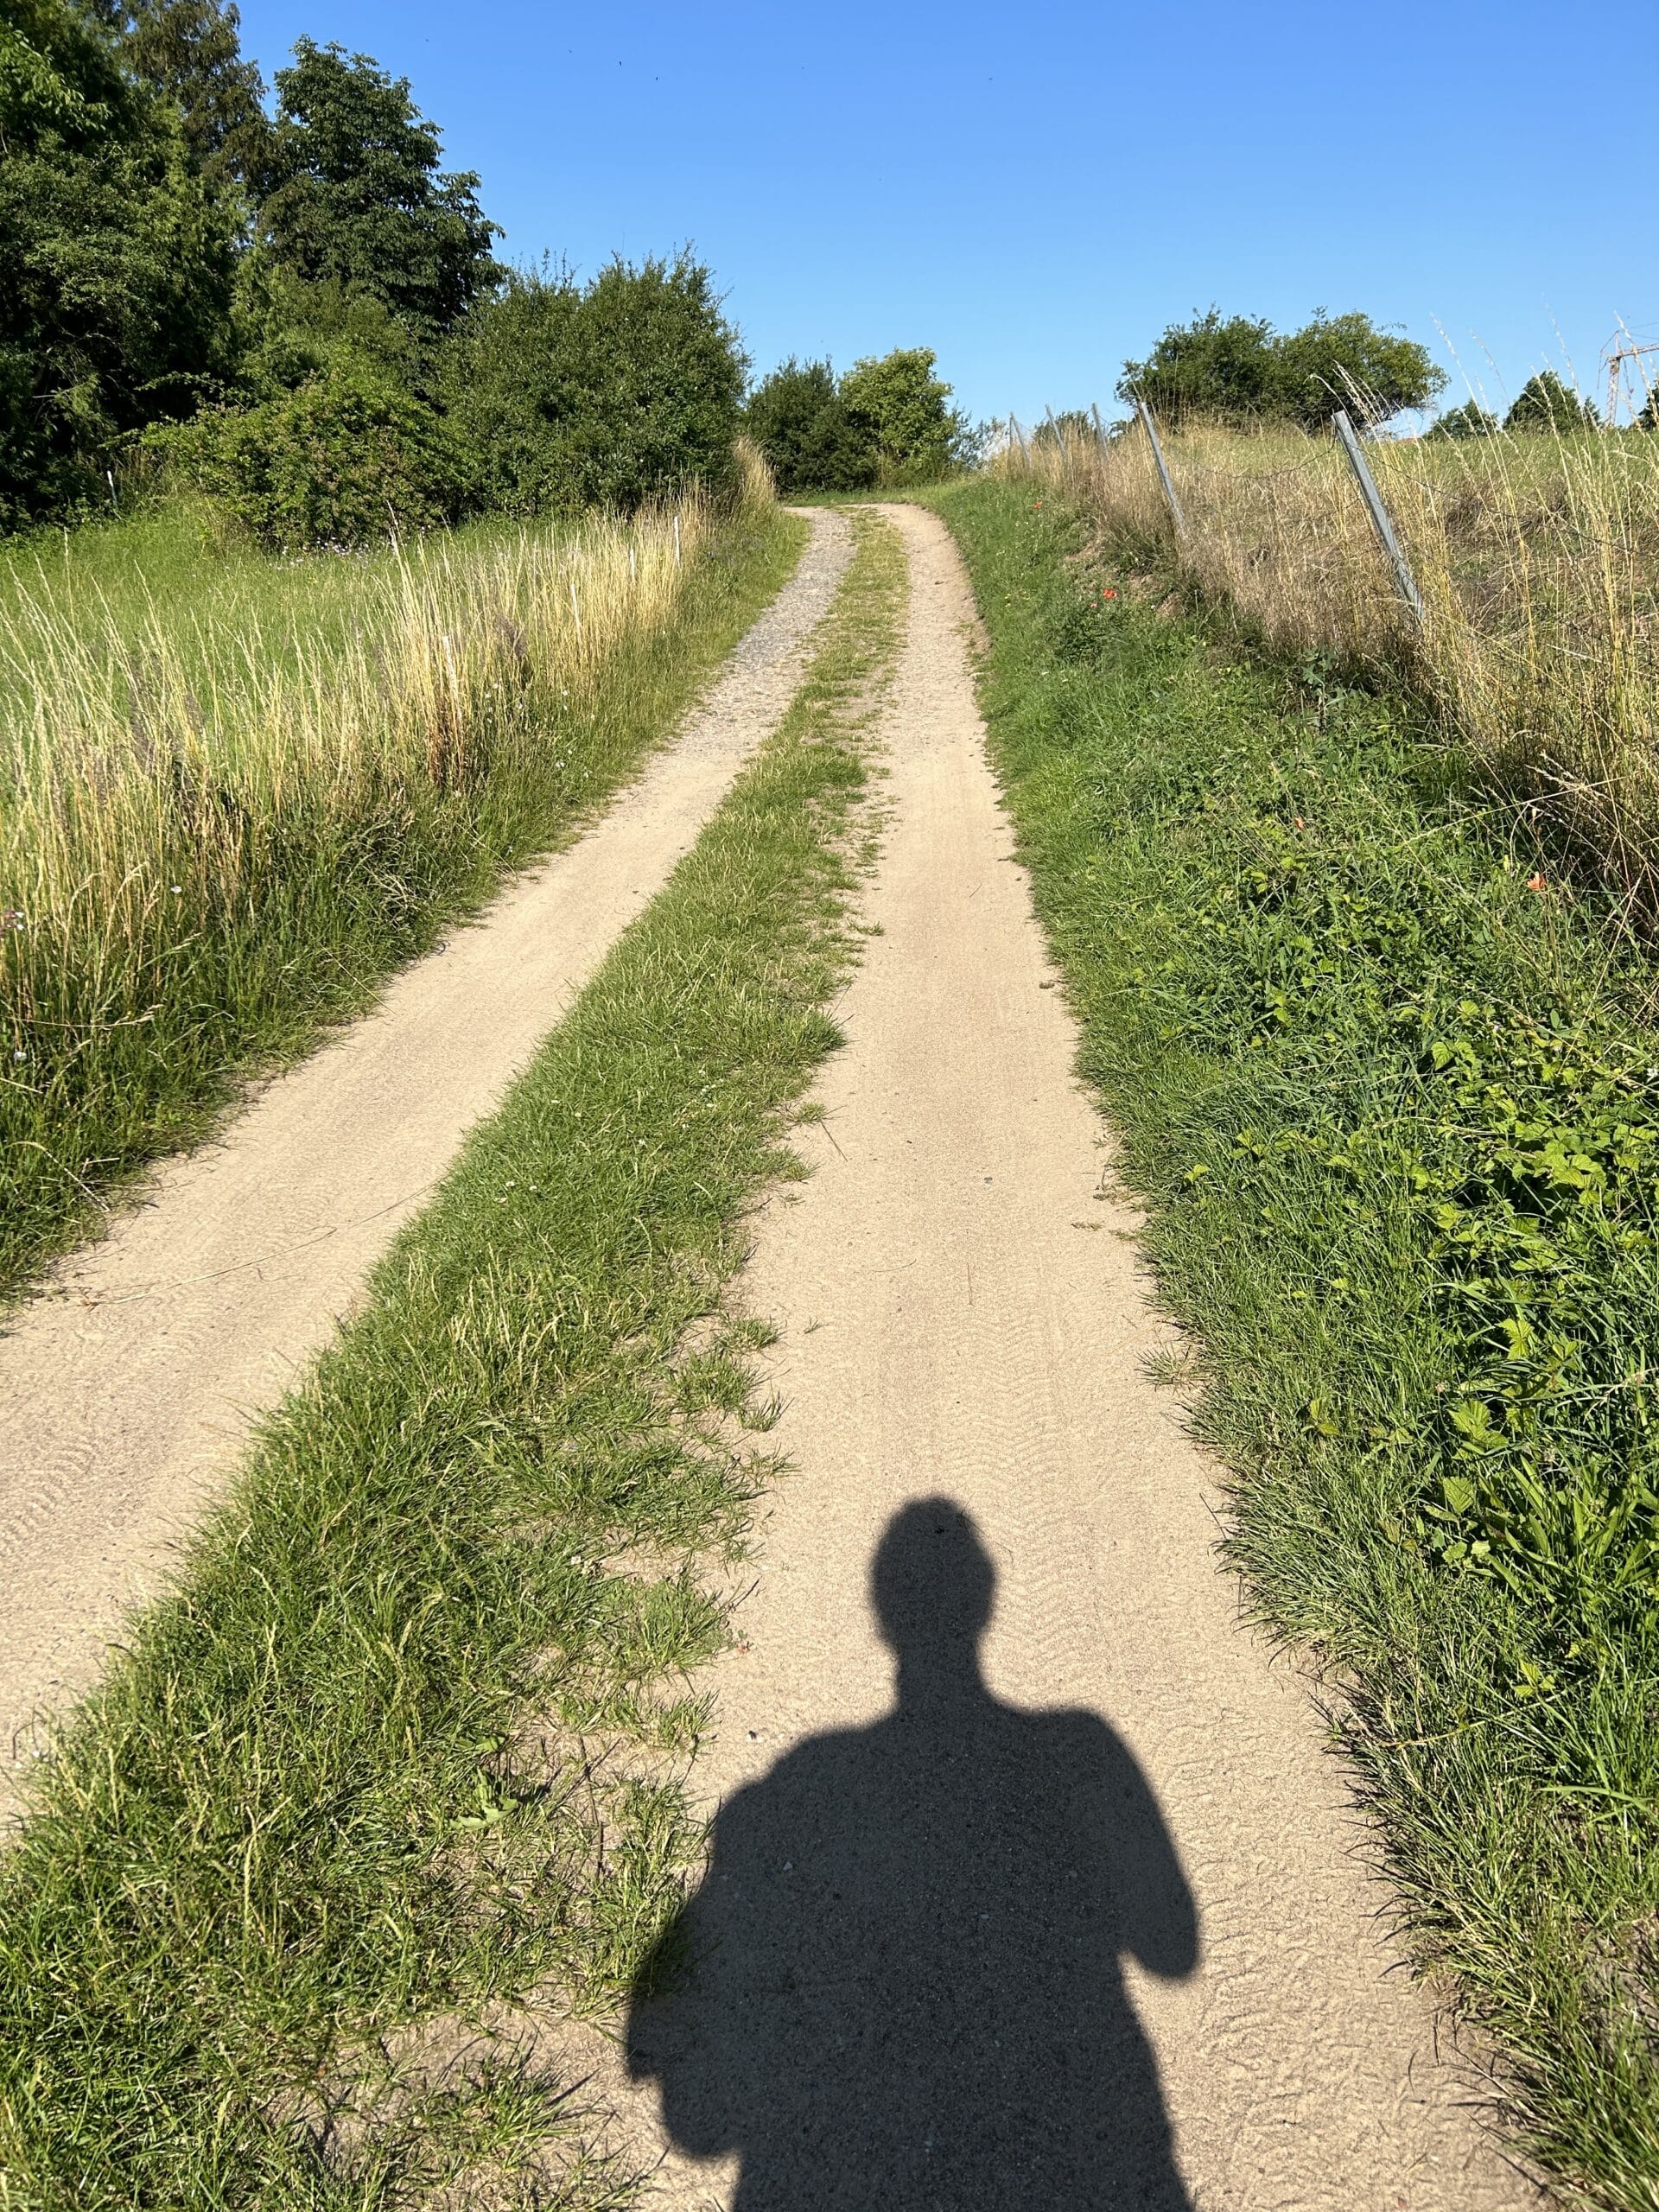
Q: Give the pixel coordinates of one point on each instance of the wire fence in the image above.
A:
(1512, 580)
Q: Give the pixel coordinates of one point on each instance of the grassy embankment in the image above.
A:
(238, 791)
(395, 1749)
(1393, 1106)
(1537, 557)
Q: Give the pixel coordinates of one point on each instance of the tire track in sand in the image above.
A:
(962, 1315)
(126, 1387)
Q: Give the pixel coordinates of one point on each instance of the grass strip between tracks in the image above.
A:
(402, 1742)
(1388, 1088)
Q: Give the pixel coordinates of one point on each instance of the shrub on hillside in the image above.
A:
(609, 395)
(1544, 403)
(1243, 371)
(346, 457)
(1468, 421)
(799, 419)
(904, 410)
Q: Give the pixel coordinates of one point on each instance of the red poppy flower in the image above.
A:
(1108, 593)
(1534, 883)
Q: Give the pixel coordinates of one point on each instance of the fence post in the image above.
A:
(1379, 513)
(1148, 424)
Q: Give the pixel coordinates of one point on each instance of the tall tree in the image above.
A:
(351, 193)
(190, 51)
(115, 261)
(1544, 403)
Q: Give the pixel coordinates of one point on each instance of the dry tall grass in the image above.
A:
(131, 759)
(1537, 557)
(232, 792)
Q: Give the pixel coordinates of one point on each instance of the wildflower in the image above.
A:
(12, 919)
(1536, 882)
(1106, 591)
(20, 1054)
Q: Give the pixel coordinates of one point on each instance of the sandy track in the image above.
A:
(125, 1390)
(1087, 1930)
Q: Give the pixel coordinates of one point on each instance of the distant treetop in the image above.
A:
(1240, 369)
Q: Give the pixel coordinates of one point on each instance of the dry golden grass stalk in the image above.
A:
(1537, 556)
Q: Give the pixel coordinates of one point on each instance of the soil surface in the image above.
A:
(1033, 1883)
(126, 1388)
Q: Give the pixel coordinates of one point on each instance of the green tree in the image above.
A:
(115, 262)
(1220, 370)
(626, 391)
(351, 194)
(1241, 371)
(904, 410)
(1344, 360)
(1468, 421)
(1544, 403)
(800, 421)
(190, 52)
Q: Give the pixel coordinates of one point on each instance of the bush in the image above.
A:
(1546, 404)
(800, 421)
(345, 458)
(902, 409)
(1243, 371)
(626, 391)
(1468, 421)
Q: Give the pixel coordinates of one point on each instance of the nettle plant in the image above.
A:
(1495, 1171)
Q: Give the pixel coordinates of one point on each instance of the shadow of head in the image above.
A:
(931, 1581)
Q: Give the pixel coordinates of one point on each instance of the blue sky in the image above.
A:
(1035, 193)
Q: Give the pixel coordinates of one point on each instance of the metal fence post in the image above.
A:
(1151, 429)
(1379, 513)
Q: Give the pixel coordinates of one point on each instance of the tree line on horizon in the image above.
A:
(298, 309)
(289, 303)
(1238, 370)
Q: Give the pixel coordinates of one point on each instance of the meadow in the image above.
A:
(239, 788)
(1536, 555)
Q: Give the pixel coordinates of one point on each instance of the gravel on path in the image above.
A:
(1071, 1914)
(126, 1387)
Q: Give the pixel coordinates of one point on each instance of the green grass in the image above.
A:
(195, 875)
(401, 1745)
(1389, 1090)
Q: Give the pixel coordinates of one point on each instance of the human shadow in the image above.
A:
(901, 1984)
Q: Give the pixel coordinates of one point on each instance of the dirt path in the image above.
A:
(123, 1391)
(1088, 1930)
